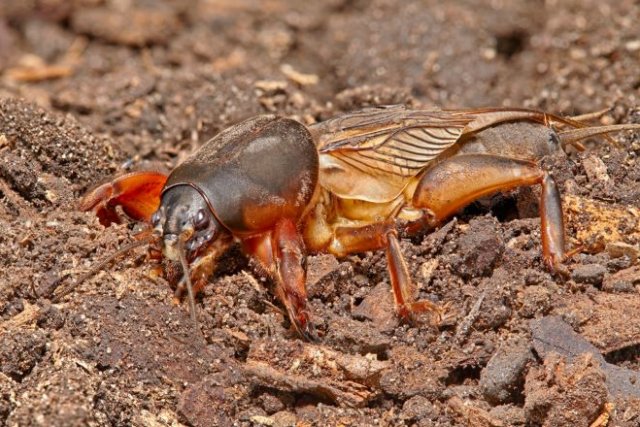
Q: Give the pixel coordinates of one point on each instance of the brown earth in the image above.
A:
(91, 88)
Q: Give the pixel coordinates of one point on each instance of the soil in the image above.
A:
(93, 88)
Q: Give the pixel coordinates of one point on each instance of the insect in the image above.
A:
(350, 184)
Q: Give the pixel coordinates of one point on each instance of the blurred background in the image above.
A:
(154, 68)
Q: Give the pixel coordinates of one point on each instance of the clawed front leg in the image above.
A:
(138, 193)
(291, 275)
(282, 255)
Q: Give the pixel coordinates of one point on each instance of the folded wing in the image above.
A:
(372, 154)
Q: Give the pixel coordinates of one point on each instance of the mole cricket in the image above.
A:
(350, 184)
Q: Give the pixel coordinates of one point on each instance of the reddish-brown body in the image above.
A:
(347, 185)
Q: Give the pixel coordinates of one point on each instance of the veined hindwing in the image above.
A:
(372, 154)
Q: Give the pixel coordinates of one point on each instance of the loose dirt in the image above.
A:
(93, 88)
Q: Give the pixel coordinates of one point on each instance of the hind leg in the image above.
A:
(460, 180)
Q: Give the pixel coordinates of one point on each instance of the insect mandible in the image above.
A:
(346, 185)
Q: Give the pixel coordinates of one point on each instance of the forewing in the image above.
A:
(371, 155)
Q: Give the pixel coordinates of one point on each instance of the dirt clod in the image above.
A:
(20, 351)
(357, 337)
(93, 88)
(50, 317)
(592, 274)
(52, 143)
(536, 300)
(510, 415)
(411, 374)
(502, 379)
(418, 408)
(321, 274)
(221, 391)
(478, 249)
(623, 281)
(378, 307)
(137, 27)
(345, 380)
(565, 393)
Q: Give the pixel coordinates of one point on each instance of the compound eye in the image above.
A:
(201, 220)
(192, 245)
(155, 219)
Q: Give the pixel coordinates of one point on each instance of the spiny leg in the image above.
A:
(404, 292)
(552, 225)
(291, 270)
(201, 268)
(197, 285)
(460, 180)
(348, 240)
(282, 254)
(138, 193)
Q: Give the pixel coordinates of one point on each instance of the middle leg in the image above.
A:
(348, 240)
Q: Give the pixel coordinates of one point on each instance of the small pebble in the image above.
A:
(417, 408)
(592, 274)
(501, 381)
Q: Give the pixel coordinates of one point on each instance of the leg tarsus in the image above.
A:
(426, 306)
(404, 291)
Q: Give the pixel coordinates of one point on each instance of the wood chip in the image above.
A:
(619, 249)
(596, 169)
(473, 416)
(297, 77)
(26, 318)
(346, 380)
(37, 74)
(595, 224)
(552, 335)
(270, 86)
